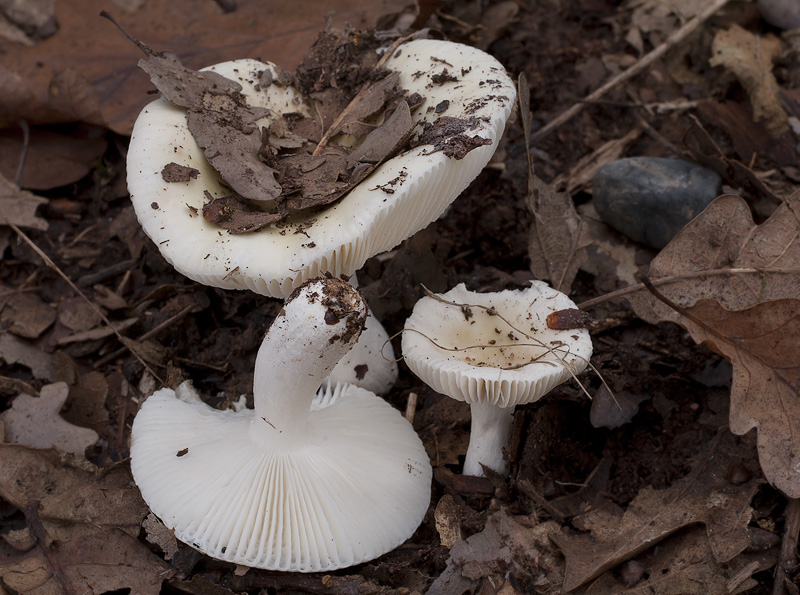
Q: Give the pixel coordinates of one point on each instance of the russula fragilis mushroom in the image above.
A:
(494, 351)
(301, 483)
(399, 198)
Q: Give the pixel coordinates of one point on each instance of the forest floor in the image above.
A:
(681, 482)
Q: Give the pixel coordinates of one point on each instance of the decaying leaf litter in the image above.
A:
(618, 501)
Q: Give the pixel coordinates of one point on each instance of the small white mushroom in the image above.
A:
(302, 483)
(399, 198)
(494, 351)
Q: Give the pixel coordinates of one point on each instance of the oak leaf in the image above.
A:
(704, 496)
(735, 286)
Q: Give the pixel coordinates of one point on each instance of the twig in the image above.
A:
(26, 141)
(151, 333)
(675, 278)
(45, 542)
(411, 407)
(788, 555)
(642, 64)
(124, 340)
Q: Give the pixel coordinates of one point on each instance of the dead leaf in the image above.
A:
(36, 421)
(750, 58)
(16, 351)
(97, 53)
(158, 534)
(448, 521)
(25, 315)
(53, 159)
(762, 343)
(704, 496)
(75, 498)
(723, 255)
(558, 237)
(19, 206)
(685, 565)
(110, 561)
(504, 543)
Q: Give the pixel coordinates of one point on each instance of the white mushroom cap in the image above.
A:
(301, 483)
(483, 363)
(419, 184)
(494, 357)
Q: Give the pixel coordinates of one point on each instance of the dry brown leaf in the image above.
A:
(744, 306)
(199, 32)
(25, 315)
(158, 534)
(52, 159)
(109, 561)
(684, 565)
(749, 58)
(17, 351)
(36, 421)
(704, 496)
(75, 498)
(558, 236)
(762, 343)
(723, 255)
(504, 543)
(19, 206)
(448, 521)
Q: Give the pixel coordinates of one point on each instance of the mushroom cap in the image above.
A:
(353, 487)
(399, 198)
(473, 355)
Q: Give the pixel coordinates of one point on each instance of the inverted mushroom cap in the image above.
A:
(504, 356)
(302, 483)
(357, 488)
(398, 199)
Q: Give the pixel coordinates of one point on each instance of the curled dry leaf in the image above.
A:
(19, 206)
(737, 284)
(750, 57)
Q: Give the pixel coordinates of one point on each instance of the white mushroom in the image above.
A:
(494, 351)
(301, 483)
(399, 198)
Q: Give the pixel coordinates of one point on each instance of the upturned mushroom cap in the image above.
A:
(473, 355)
(302, 483)
(494, 351)
(398, 199)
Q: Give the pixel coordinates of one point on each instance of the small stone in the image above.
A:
(784, 14)
(650, 199)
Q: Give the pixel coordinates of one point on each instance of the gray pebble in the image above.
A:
(784, 14)
(649, 199)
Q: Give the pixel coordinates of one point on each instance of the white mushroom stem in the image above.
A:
(316, 327)
(489, 435)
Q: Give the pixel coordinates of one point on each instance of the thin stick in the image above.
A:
(26, 141)
(675, 278)
(642, 64)
(411, 407)
(103, 317)
(788, 556)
